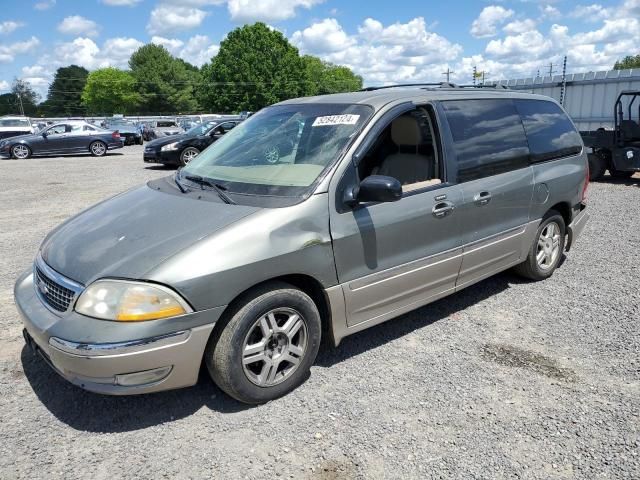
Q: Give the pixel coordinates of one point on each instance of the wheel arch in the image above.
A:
(306, 283)
(564, 209)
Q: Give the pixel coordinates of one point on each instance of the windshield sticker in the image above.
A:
(336, 120)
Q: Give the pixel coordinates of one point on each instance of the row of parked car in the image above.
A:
(21, 138)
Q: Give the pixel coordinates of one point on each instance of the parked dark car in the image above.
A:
(67, 137)
(129, 131)
(181, 149)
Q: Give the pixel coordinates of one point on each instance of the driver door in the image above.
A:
(54, 139)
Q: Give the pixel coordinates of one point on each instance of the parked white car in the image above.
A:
(13, 126)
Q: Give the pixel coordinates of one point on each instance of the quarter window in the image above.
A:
(549, 131)
(488, 137)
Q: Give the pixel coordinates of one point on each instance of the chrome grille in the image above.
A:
(58, 297)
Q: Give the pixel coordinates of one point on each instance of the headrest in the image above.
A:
(405, 130)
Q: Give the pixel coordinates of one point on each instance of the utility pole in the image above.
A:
(448, 73)
(475, 74)
(21, 107)
(551, 69)
(484, 72)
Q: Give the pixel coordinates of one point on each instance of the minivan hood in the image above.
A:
(127, 235)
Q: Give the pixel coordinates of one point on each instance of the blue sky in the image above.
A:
(384, 41)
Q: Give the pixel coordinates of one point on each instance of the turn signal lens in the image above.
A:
(127, 301)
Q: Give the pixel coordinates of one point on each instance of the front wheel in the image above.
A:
(268, 345)
(597, 166)
(98, 148)
(622, 174)
(187, 155)
(20, 151)
(545, 253)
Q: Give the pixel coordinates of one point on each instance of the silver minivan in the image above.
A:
(317, 217)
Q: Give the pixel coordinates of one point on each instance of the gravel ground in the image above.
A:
(505, 379)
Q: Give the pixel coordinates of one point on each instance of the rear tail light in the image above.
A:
(115, 135)
(586, 186)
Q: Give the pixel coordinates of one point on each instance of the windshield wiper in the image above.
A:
(219, 189)
(180, 186)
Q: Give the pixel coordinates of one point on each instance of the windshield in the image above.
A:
(14, 122)
(166, 124)
(281, 150)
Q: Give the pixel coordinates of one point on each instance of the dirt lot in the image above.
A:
(505, 379)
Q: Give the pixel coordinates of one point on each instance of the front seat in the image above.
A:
(407, 165)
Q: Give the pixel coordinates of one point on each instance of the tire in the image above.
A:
(597, 167)
(20, 151)
(98, 148)
(532, 268)
(187, 155)
(261, 320)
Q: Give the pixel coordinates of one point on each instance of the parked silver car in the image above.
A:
(389, 199)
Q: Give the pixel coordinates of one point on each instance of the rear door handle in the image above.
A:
(482, 198)
(442, 209)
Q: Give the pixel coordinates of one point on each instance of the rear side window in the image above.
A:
(549, 131)
(488, 137)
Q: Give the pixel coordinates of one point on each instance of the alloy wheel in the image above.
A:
(20, 151)
(188, 155)
(98, 149)
(274, 347)
(548, 246)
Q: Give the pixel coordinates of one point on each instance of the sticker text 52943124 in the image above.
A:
(336, 120)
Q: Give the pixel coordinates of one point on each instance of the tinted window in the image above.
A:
(549, 130)
(488, 137)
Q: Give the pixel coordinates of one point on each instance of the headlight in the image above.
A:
(170, 146)
(128, 301)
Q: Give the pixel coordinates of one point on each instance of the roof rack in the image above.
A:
(401, 85)
(436, 85)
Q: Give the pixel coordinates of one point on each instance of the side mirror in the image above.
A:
(44, 134)
(374, 188)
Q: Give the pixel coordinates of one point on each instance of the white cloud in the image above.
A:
(322, 37)
(9, 51)
(169, 19)
(590, 13)
(9, 26)
(247, 11)
(515, 47)
(198, 50)
(400, 52)
(486, 25)
(121, 3)
(4, 86)
(549, 12)
(519, 26)
(77, 25)
(44, 5)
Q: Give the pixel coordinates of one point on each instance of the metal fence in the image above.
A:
(588, 97)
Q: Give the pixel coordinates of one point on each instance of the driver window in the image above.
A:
(406, 150)
(57, 129)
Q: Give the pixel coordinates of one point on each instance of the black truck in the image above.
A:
(617, 150)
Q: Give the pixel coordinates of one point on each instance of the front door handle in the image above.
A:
(482, 198)
(442, 209)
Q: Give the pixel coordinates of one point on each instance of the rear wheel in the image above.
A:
(188, 154)
(268, 345)
(98, 148)
(597, 166)
(622, 174)
(20, 151)
(545, 253)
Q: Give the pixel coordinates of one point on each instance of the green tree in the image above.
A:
(166, 84)
(324, 77)
(630, 61)
(255, 67)
(109, 91)
(9, 104)
(25, 97)
(64, 95)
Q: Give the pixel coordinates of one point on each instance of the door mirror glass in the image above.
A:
(375, 188)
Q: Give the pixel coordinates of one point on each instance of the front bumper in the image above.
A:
(171, 157)
(127, 359)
